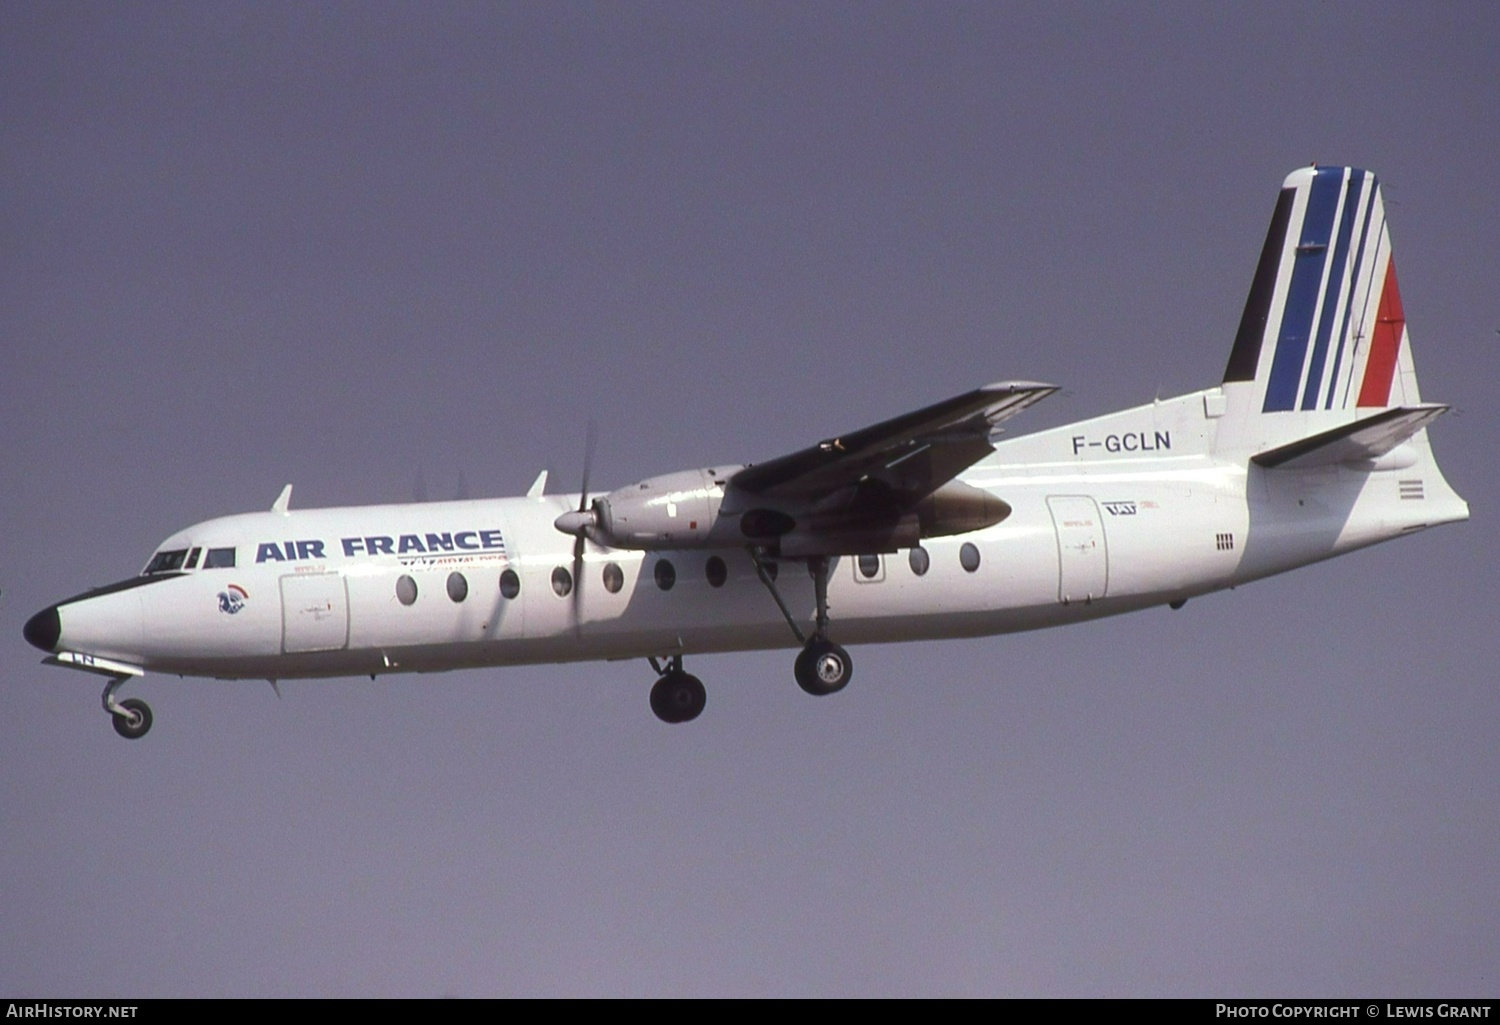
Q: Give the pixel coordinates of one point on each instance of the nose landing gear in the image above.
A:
(131, 718)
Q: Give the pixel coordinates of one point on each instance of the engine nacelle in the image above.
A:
(687, 510)
(958, 508)
(675, 510)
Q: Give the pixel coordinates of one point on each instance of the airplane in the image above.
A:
(924, 526)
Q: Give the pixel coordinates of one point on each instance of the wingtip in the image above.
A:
(1019, 386)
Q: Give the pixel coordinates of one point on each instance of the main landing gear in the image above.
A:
(131, 718)
(676, 696)
(822, 667)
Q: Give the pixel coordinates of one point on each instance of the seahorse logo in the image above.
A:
(232, 600)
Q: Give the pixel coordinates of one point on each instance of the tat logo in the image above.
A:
(232, 600)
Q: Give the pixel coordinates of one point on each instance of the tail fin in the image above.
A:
(1323, 329)
(1321, 373)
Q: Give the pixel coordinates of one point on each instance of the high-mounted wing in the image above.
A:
(913, 454)
(874, 490)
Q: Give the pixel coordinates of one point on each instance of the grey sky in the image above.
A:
(355, 246)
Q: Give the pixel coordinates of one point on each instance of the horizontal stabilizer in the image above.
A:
(1369, 438)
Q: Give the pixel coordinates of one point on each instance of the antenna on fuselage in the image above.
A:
(283, 501)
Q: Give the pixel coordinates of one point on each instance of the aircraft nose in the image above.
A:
(43, 629)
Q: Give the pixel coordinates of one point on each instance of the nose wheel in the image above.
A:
(131, 718)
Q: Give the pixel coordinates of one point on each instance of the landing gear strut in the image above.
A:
(131, 718)
(677, 696)
(822, 667)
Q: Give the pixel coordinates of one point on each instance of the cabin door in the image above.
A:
(314, 612)
(1082, 558)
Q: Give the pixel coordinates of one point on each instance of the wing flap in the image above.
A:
(1368, 438)
(914, 453)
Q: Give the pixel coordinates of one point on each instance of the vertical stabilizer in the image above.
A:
(1321, 377)
(1323, 329)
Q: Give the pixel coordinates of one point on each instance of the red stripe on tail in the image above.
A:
(1390, 325)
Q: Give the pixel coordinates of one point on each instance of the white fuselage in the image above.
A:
(1130, 510)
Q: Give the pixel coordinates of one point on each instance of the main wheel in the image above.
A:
(137, 720)
(823, 667)
(678, 697)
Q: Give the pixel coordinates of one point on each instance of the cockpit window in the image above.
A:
(166, 562)
(192, 559)
(219, 558)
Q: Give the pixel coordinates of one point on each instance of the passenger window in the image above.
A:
(666, 575)
(968, 556)
(562, 582)
(458, 587)
(869, 566)
(919, 560)
(219, 558)
(510, 584)
(406, 590)
(614, 578)
(716, 571)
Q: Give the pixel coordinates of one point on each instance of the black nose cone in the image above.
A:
(43, 629)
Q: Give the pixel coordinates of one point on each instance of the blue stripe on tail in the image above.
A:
(1302, 295)
(1331, 294)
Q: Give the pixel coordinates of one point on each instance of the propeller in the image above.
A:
(578, 522)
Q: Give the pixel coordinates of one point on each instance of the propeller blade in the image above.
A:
(577, 522)
(578, 582)
(584, 518)
(588, 461)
